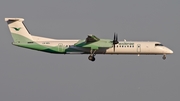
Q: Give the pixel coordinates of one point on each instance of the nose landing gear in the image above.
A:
(164, 57)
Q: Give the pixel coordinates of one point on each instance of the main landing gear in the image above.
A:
(92, 55)
(164, 57)
(91, 58)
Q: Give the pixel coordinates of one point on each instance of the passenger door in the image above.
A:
(60, 47)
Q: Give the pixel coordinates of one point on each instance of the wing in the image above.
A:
(94, 42)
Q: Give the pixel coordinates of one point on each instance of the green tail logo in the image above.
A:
(17, 29)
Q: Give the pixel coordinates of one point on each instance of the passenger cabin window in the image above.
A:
(158, 44)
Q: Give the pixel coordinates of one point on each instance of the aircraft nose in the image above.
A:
(167, 50)
(170, 51)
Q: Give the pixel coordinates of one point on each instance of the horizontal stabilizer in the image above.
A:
(14, 19)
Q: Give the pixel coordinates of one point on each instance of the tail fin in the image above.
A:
(18, 30)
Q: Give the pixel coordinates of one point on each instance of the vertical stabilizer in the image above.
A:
(18, 30)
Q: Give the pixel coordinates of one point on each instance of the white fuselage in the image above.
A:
(124, 47)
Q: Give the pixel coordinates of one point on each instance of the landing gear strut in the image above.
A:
(164, 57)
(92, 55)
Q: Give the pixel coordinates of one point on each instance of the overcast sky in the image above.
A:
(28, 75)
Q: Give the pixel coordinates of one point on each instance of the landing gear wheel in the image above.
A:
(91, 58)
(164, 57)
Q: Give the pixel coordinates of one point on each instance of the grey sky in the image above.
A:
(27, 75)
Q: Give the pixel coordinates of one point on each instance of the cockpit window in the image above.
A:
(158, 44)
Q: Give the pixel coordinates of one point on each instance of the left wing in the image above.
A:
(94, 43)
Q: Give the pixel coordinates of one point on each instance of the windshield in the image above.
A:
(158, 44)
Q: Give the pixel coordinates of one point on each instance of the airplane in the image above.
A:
(90, 45)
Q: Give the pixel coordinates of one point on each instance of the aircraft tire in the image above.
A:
(164, 57)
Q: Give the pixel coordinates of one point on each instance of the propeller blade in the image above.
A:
(116, 37)
(114, 47)
(115, 41)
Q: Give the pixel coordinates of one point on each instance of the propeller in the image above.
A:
(115, 41)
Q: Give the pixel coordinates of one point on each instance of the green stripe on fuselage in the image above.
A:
(27, 43)
(24, 42)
